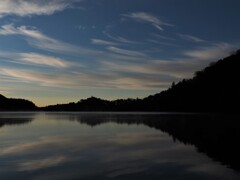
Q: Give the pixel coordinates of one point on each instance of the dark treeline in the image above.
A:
(214, 89)
(10, 104)
(97, 104)
(216, 135)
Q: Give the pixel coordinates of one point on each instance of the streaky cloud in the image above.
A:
(211, 52)
(33, 7)
(158, 36)
(32, 58)
(120, 39)
(144, 17)
(40, 59)
(177, 69)
(125, 52)
(41, 41)
(41, 163)
(191, 38)
(102, 42)
(163, 43)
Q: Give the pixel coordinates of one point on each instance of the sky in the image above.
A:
(60, 51)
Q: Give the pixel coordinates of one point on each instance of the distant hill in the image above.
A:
(214, 89)
(97, 104)
(10, 104)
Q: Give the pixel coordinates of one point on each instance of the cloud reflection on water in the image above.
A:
(110, 150)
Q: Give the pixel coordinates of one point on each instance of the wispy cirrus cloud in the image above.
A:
(117, 68)
(124, 40)
(165, 71)
(107, 78)
(102, 42)
(30, 76)
(120, 39)
(163, 43)
(32, 58)
(33, 7)
(211, 52)
(144, 17)
(162, 69)
(125, 52)
(191, 38)
(39, 40)
(139, 74)
(79, 79)
(161, 37)
(41, 163)
(39, 59)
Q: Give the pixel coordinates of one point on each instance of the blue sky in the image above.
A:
(57, 51)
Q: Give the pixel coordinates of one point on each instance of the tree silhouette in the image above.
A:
(213, 89)
(10, 104)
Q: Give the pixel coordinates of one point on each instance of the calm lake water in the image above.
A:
(108, 146)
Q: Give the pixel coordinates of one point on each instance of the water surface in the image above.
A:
(111, 146)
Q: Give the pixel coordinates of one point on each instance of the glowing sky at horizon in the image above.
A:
(58, 51)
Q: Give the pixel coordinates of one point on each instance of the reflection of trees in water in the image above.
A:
(14, 121)
(94, 120)
(215, 135)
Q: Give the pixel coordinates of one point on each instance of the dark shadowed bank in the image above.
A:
(214, 89)
(11, 104)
